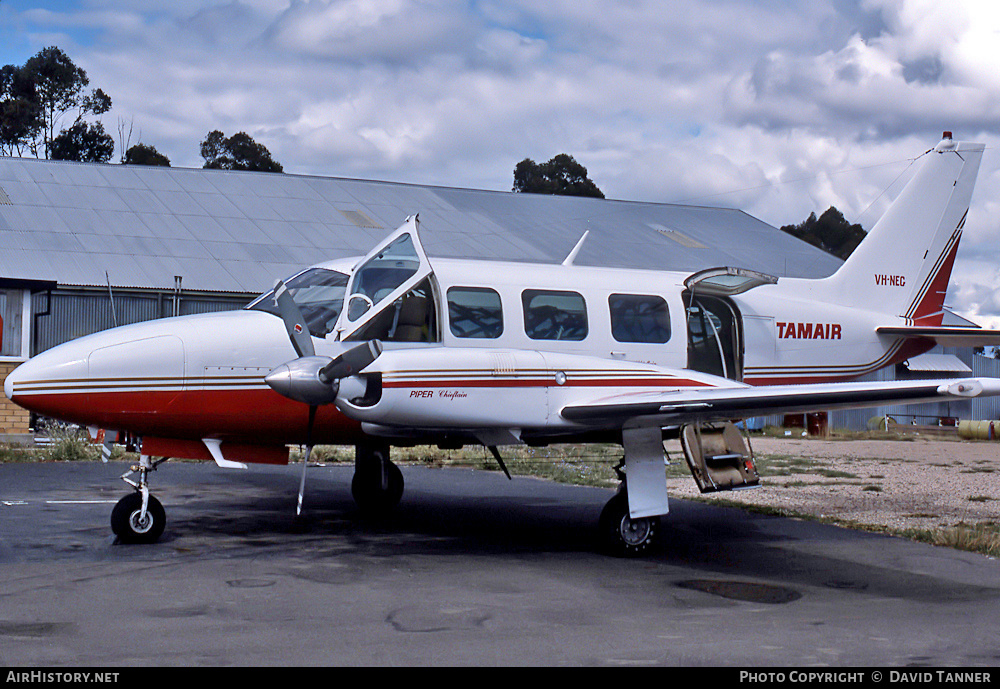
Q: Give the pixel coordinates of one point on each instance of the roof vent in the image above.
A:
(679, 237)
(361, 220)
(4, 199)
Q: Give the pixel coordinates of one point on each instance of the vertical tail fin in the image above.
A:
(903, 266)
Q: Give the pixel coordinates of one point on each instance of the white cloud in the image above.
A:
(780, 108)
(962, 34)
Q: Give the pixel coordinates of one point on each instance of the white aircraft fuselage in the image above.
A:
(499, 353)
(198, 376)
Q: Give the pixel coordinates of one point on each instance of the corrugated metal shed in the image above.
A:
(937, 363)
(226, 231)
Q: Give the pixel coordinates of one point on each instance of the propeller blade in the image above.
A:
(352, 361)
(295, 323)
(302, 481)
(305, 458)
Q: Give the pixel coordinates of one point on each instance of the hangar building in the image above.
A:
(84, 246)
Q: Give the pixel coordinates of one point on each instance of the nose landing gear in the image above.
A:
(139, 517)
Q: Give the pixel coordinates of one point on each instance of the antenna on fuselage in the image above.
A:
(111, 295)
(568, 261)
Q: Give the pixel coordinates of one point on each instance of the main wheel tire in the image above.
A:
(624, 536)
(129, 525)
(366, 487)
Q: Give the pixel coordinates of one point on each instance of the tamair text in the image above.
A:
(808, 331)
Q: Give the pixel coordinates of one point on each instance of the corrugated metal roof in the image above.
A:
(231, 231)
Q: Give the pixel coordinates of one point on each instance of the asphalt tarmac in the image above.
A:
(471, 569)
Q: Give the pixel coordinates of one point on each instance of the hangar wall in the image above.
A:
(67, 313)
(14, 420)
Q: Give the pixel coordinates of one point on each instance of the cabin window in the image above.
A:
(639, 318)
(475, 312)
(319, 294)
(551, 315)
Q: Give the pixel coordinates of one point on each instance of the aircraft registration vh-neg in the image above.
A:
(396, 349)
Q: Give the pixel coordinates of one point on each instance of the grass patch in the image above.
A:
(69, 444)
(17, 453)
(980, 538)
(586, 465)
(835, 473)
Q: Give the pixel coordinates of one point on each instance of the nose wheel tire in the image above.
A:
(130, 525)
(624, 536)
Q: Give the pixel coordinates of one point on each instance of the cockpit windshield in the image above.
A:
(319, 293)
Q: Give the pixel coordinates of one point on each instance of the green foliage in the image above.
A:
(21, 119)
(69, 443)
(83, 142)
(830, 232)
(143, 154)
(36, 96)
(561, 175)
(238, 152)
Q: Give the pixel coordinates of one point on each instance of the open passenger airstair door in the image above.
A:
(714, 322)
(719, 457)
(726, 282)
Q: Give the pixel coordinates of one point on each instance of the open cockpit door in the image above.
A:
(384, 276)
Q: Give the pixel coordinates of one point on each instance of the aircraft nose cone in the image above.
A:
(84, 380)
(44, 373)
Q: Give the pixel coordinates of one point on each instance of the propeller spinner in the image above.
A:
(315, 380)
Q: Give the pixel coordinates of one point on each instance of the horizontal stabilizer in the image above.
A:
(954, 336)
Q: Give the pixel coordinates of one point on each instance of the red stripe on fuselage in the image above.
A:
(257, 416)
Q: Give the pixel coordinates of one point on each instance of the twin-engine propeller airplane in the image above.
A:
(393, 349)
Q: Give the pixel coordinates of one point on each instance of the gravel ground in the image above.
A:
(899, 484)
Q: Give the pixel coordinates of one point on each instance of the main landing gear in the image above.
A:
(624, 536)
(377, 485)
(139, 517)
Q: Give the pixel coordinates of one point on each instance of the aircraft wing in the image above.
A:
(717, 404)
(953, 336)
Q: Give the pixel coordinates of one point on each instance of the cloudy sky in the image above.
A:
(777, 107)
